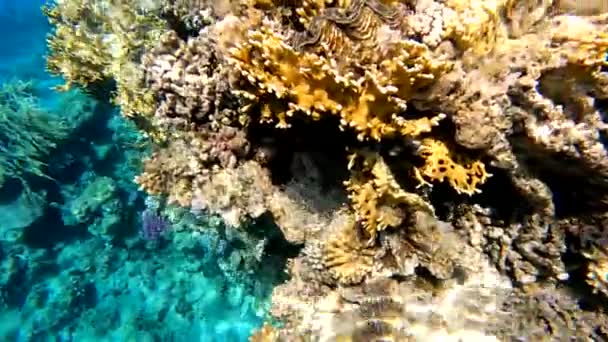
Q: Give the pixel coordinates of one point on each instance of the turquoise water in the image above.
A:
(74, 264)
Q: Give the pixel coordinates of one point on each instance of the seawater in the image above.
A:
(72, 264)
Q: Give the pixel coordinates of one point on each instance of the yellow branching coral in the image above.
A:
(79, 57)
(103, 40)
(376, 196)
(347, 256)
(368, 97)
(439, 166)
(523, 15)
(581, 42)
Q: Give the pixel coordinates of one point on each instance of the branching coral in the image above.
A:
(27, 133)
(99, 41)
(440, 166)
(369, 96)
(376, 196)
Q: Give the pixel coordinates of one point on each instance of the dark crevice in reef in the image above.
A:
(101, 90)
(10, 190)
(501, 195)
(49, 230)
(67, 163)
(576, 188)
(277, 250)
(602, 107)
(324, 148)
(278, 245)
(576, 283)
(179, 26)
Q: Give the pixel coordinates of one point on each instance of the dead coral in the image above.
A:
(529, 250)
(194, 14)
(237, 194)
(590, 235)
(403, 311)
(191, 159)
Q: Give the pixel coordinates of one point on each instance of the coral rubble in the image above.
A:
(419, 153)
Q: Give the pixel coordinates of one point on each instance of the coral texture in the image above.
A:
(453, 147)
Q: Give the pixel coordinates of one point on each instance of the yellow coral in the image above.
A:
(477, 25)
(102, 41)
(348, 258)
(439, 166)
(376, 196)
(267, 333)
(368, 97)
(597, 269)
(582, 42)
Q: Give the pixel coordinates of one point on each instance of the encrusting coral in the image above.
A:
(396, 142)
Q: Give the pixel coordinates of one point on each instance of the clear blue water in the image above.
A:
(73, 266)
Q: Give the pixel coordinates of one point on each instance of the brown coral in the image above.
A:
(335, 26)
(347, 256)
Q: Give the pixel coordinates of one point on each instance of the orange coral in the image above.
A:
(267, 333)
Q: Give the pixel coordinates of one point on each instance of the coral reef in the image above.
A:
(446, 150)
(74, 266)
